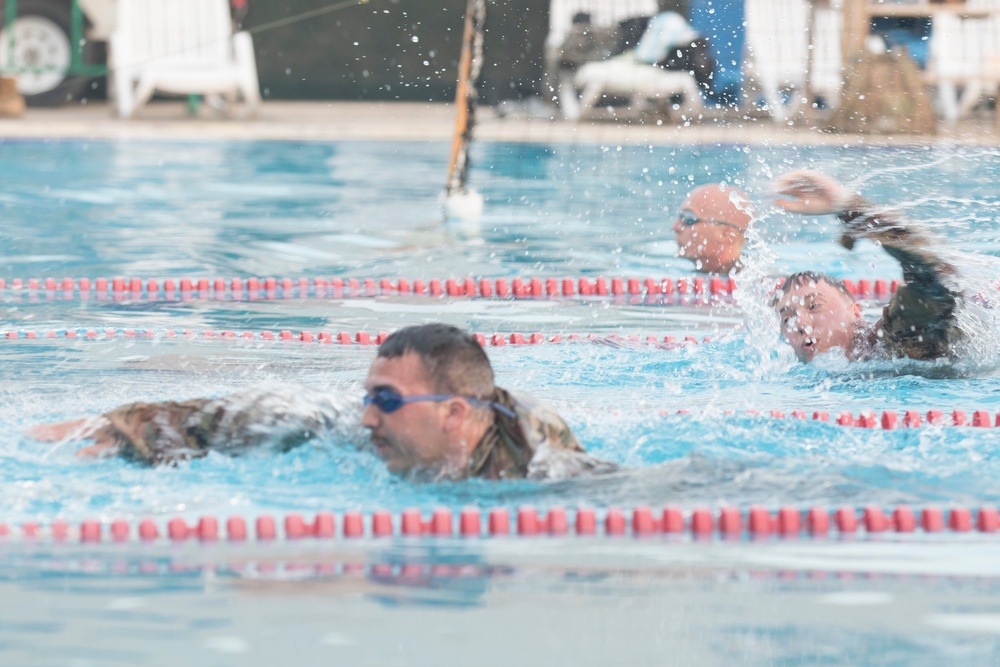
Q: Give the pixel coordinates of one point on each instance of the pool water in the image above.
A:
(90, 209)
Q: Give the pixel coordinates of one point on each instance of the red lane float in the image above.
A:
(755, 522)
(888, 421)
(344, 337)
(662, 290)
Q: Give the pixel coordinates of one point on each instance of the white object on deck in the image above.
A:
(603, 13)
(184, 47)
(779, 37)
(638, 81)
(964, 58)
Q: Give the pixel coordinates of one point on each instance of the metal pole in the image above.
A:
(76, 35)
(9, 19)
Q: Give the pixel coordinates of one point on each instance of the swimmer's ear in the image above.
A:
(457, 412)
(857, 310)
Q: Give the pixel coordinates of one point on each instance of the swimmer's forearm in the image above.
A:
(77, 429)
(96, 429)
(862, 219)
(905, 241)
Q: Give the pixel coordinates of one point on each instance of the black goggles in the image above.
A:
(689, 218)
(389, 400)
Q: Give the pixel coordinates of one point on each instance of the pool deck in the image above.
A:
(406, 121)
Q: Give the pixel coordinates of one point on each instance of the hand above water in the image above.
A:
(813, 193)
(88, 428)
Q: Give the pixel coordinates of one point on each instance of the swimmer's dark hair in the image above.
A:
(454, 359)
(806, 277)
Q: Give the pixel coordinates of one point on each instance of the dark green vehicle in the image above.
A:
(54, 48)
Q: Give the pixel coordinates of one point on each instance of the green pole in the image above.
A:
(77, 66)
(9, 19)
(76, 34)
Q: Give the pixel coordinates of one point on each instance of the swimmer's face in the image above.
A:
(817, 317)
(709, 229)
(414, 436)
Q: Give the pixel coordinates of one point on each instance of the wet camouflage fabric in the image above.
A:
(537, 444)
(919, 321)
(171, 431)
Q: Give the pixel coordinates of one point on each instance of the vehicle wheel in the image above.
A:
(42, 53)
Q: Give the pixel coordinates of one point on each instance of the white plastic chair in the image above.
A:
(640, 82)
(183, 47)
(777, 58)
(635, 74)
(603, 13)
(964, 58)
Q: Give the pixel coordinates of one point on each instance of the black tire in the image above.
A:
(46, 45)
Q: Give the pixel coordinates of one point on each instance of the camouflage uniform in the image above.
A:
(171, 431)
(919, 321)
(537, 444)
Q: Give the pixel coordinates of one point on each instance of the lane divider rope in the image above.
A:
(343, 337)
(888, 420)
(656, 290)
(728, 522)
(407, 573)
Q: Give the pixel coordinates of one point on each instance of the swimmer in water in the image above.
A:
(431, 409)
(711, 227)
(819, 314)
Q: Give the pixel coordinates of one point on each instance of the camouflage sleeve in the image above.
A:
(910, 244)
(919, 320)
(558, 453)
(542, 426)
(170, 431)
(160, 432)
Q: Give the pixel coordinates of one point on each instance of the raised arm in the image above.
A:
(811, 192)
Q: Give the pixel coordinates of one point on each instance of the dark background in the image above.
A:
(367, 52)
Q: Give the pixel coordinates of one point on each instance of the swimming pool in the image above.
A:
(149, 210)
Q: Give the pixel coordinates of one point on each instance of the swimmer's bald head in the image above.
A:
(711, 227)
(724, 202)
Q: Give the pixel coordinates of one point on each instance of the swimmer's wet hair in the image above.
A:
(454, 359)
(807, 277)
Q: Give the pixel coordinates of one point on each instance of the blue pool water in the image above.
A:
(370, 209)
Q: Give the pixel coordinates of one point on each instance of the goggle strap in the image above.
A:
(392, 396)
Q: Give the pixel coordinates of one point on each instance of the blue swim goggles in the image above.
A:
(389, 400)
(689, 218)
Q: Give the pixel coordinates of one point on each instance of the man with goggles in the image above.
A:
(431, 409)
(431, 405)
(711, 226)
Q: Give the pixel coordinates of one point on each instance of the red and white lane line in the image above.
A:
(341, 338)
(888, 420)
(702, 522)
(652, 290)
